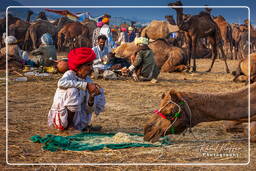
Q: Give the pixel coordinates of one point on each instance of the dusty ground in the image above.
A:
(128, 107)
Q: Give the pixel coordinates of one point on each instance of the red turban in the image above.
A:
(80, 56)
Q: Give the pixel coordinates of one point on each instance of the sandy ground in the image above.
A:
(129, 105)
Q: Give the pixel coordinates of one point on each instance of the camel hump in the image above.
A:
(204, 13)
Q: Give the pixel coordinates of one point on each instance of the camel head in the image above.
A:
(30, 12)
(170, 19)
(126, 50)
(175, 4)
(220, 18)
(207, 9)
(170, 116)
(246, 21)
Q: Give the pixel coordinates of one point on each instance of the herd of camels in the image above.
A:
(198, 36)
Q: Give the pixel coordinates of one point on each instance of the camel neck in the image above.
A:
(179, 16)
(222, 106)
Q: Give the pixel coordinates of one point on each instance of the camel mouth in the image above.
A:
(153, 136)
(155, 128)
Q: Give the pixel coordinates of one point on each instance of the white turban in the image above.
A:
(11, 40)
(141, 40)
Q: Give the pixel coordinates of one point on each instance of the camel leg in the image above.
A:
(194, 41)
(233, 126)
(252, 131)
(224, 58)
(34, 39)
(236, 52)
(253, 79)
(214, 50)
(189, 52)
(231, 49)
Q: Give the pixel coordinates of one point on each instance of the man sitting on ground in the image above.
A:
(76, 96)
(143, 63)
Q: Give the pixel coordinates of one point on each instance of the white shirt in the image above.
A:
(71, 94)
(97, 63)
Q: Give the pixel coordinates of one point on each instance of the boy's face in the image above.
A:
(101, 43)
(84, 70)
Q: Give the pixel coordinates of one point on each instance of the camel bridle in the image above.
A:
(172, 117)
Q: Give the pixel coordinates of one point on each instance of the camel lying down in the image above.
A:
(181, 110)
(168, 58)
(242, 72)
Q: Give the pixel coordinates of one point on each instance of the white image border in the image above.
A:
(104, 164)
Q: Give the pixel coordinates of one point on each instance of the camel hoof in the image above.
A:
(227, 71)
(208, 70)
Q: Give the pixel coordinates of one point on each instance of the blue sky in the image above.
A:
(232, 15)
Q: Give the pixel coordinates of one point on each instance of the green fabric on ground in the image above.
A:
(85, 141)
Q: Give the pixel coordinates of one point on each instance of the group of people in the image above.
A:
(76, 96)
(143, 63)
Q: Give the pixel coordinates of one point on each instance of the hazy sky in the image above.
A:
(231, 14)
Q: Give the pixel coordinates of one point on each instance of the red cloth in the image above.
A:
(80, 56)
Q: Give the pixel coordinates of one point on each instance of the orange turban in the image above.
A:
(105, 20)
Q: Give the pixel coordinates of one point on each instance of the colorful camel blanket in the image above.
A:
(93, 141)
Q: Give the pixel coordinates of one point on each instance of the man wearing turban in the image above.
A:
(105, 30)
(76, 97)
(46, 53)
(143, 66)
(96, 33)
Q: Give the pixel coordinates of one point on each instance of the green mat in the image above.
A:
(89, 142)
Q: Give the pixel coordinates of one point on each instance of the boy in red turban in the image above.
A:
(76, 97)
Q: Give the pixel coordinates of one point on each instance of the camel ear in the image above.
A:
(176, 96)
(163, 95)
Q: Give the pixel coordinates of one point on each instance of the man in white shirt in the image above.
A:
(101, 51)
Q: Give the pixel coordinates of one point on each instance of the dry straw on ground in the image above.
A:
(129, 105)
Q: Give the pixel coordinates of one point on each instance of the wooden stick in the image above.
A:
(16, 72)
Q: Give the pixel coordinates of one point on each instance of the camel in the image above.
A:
(11, 20)
(36, 30)
(226, 33)
(240, 37)
(196, 27)
(242, 72)
(182, 110)
(69, 34)
(19, 28)
(91, 25)
(168, 58)
(252, 35)
(170, 19)
(158, 29)
(60, 22)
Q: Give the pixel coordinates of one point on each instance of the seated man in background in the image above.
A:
(46, 54)
(16, 56)
(101, 52)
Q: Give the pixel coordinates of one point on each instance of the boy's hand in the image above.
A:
(124, 70)
(94, 89)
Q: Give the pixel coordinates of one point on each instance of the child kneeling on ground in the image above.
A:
(76, 96)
